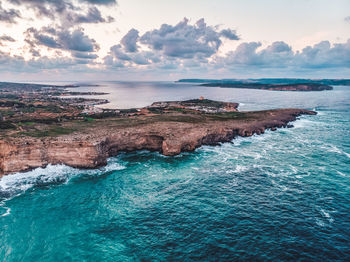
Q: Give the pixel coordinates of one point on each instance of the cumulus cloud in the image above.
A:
(84, 55)
(169, 46)
(183, 47)
(280, 55)
(120, 57)
(185, 40)
(93, 16)
(186, 46)
(347, 19)
(129, 41)
(74, 41)
(325, 55)
(118, 53)
(42, 64)
(9, 16)
(69, 12)
(229, 34)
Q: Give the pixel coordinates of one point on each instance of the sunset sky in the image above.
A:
(167, 40)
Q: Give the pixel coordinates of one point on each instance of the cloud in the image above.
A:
(185, 40)
(347, 19)
(93, 16)
(118, 53)
(229, 34)
(7, 38)
(84, 55)
(100, 2)
(63, 39)
(280, 55)
(9, 16)
(169, 43)
(186, 47)
(77, 41)
(181, 48)
(245, 54)
(69, 12)
(325, 55)
(43, 64)
(129, 41)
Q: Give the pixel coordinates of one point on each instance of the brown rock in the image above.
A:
(91, 150)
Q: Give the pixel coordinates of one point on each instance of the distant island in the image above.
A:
(334, 82)
(40, 127)
(274, 87)
(273, 84)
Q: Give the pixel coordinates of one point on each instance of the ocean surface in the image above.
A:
(281, 196)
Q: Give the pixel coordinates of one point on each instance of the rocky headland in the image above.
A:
(169, 128)
(38, 127)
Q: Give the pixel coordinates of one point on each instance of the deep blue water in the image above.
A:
(284, 195)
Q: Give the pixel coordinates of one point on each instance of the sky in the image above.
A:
(75, 40)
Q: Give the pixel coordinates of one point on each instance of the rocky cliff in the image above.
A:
(91, 148)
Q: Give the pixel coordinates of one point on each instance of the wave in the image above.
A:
(326, 215)
(340, 173)
(16, 184)
(7, 210)
(334, 149)
(303, 122)
(21, 182)
(240, 168)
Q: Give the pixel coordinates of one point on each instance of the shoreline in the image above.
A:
(91, 148)
(38, 128)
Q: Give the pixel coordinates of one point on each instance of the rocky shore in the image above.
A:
(170, 134)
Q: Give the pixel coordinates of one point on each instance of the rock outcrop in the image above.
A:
(91, 149)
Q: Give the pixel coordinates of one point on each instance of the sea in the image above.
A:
(280, 196)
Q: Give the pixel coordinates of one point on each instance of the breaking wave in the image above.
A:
(16, 184)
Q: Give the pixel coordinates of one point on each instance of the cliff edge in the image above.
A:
(88, 144)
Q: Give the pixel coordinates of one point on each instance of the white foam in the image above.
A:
(340, 173)
(320, 223)
(327, 215)
(24, 181)
(112, 166)
(18, 183)
(334, 149)
(240, 168)
(320, 113)
(301, 123)
(8, 211)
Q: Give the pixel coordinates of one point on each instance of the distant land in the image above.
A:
(334, 82)
(272, 84)
(274, 87)
(40, 125)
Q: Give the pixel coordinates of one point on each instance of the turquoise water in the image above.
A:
(284, 195)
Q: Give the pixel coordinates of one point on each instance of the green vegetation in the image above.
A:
(156, 110)
(27, 123)
(203, 102)
(229, 116)
(89, 119)
(53, 131)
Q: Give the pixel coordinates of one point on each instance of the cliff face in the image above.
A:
(91, 150)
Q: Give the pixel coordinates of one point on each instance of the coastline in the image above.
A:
(91, 147)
